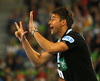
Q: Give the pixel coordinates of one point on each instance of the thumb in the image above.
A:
(16, 33)
(25, 32)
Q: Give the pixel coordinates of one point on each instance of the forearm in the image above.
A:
(44, 43)
(32, 55)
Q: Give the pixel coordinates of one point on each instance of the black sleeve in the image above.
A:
(70, 41)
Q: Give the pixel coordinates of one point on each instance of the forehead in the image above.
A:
(55, 16)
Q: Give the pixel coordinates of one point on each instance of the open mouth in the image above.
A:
(51, 27)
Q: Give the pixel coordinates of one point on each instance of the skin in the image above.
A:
(57, 27)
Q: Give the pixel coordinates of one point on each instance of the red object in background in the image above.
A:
(84, 2)
(35, 13)
(39, 75)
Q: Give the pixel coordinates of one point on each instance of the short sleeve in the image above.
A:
(69, 41)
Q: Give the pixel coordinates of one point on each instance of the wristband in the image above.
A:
(36, 30)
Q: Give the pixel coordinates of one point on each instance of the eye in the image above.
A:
(53, 19)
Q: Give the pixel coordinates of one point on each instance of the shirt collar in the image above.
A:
(69, 30)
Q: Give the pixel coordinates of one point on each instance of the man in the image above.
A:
(73, 56)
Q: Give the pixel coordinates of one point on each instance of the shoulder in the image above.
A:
(73, 37)
(73, 33)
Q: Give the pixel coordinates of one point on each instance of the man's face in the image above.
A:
(55, 24)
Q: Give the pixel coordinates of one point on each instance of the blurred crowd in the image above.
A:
(16, 65)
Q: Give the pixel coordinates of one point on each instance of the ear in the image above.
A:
(63, 22)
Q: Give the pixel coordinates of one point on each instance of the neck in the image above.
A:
(61, 33)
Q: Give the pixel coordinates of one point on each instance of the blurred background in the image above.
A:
(14, 64)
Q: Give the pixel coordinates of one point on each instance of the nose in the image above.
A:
(49, 22)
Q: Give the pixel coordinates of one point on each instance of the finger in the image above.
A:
(25, 32)
(16, 34)
(21, 25)
(31, 16)
(17, 26)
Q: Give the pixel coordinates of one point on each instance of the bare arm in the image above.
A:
(50, 46)
(36, 58)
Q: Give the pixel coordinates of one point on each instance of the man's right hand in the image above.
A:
(20, 32)
(31, 25)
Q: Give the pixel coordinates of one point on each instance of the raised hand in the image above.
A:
(31, 25)
(20, 32)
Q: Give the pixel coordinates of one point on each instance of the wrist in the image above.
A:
(32, 32)
(23, 38)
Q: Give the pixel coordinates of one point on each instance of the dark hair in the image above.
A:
(65, 13)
